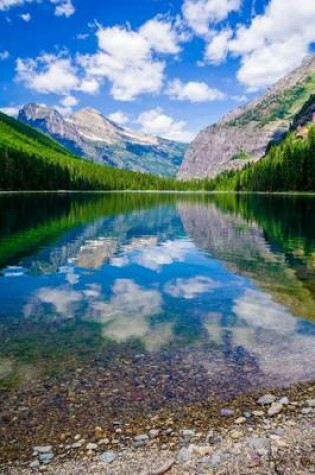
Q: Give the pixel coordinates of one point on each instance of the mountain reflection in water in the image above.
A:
(217, 290)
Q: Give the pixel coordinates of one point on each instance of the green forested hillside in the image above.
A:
(29, 160)
(289, 166)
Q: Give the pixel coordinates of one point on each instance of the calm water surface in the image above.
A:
(188, 296)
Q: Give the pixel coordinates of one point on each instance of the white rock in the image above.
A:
(275, 408)
(266, 399)
(91, 446)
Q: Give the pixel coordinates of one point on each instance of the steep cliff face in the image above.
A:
(91, 135)
(243, 135)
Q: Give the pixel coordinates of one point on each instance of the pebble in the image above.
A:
(310, 402)
(140, 439)
(266, 399)
(235, 434)
(227, 412)
(153, 433)
(215, 459)
(34, 464)
(91, 446)
(43, 449)
(275, 409)
(45, 457)
(284, 401)
(108, 457)
(188, 433)
(184, 455)
(258, 413)
(240, 420)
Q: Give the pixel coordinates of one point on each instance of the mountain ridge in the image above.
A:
(243, 135)
(89, 134)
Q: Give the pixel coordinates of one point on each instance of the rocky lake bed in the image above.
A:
(272, 433)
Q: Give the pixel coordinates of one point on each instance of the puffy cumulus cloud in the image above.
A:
(156, 122)
(201, 15)
(258, 309)
(64, 301)
(161, 35)
(125, 314)
(53, 74)
(190, 288)
(119, 117)
(193, 91)
(272, 45)
(131, 59)
(62, 7)
(155, 256)
(217, 49)
(4, 55)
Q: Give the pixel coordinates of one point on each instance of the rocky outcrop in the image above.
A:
(91, 135)
(243, 135)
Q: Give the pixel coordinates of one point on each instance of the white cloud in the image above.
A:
(190, 288)
(156, 122)
(217, 49)
(119, 117)
(4, 55)
(64, 301)
(53, 74)
(125, 314)
(26, 17)
(275, 42)
(200, 15)
(11, 110)
(131, 59)
(154, 256)
(62, 7)
(193, 91)
(161, 35)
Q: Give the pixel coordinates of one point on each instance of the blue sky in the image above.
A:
(164, 67)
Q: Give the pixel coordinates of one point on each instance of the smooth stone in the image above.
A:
(240, 420)
(108, 457)
(306, 410)
(34, 464)
(274, 409)
(247, 414)
(257, 443)
(45, 457)
(284, 401)
(258, 413)
(140, 439)
(235, 434)
(266, 399)
(76, 445)
(43, 449)
(153, 433)
(184, 455)
(310, 402)
(227, 412)
(91, 446)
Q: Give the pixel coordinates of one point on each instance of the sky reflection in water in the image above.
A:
(209, 277)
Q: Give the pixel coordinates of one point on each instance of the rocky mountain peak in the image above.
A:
(243, 135)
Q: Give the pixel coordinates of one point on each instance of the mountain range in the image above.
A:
(244, 135)
(89, 134)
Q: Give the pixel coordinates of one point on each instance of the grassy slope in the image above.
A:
(31, 160)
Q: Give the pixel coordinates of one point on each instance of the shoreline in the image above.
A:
(195, 437)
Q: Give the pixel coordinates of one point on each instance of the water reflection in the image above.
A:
(225, 282)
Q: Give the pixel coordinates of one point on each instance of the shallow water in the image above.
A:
(174, 297)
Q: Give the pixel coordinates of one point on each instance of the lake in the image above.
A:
(127, 303)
